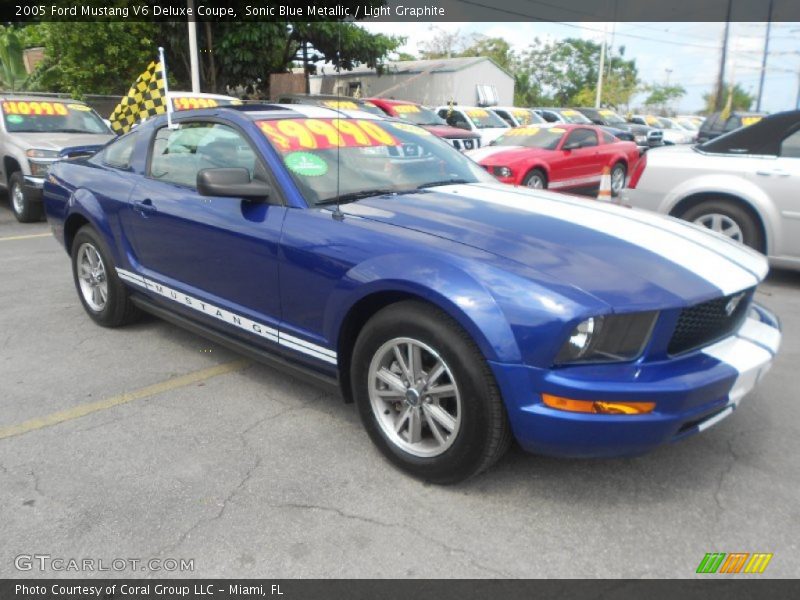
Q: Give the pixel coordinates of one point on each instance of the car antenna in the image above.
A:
(338, 215)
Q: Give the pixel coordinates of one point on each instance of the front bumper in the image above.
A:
(692, 392)
(32, 188)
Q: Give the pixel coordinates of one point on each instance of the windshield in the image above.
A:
(371, 108)
(610, 117)
(687, 124)
(526, 116)
(190, 102)
(485, 119)
(573, 116)
(347, 159)
(418, 115)
(532, 137)
(22, 116)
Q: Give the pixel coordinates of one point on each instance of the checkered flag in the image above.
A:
(146, 98)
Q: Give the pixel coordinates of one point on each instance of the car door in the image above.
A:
(780, 179)
(220, 250)
(582, 164)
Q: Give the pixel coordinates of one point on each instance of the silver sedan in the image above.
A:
(743, 185)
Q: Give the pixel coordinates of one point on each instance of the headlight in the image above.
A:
(39, 169)
(37, 153)
(612, 338)
(640, 139)
(502, 171)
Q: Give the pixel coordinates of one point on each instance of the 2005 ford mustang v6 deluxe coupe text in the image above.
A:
(455, 311)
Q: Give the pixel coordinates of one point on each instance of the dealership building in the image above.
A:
(466, 81)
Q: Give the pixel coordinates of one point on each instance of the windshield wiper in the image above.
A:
(443, 182)
(360, 195)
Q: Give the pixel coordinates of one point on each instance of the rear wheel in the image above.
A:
(426, 395)
(24, 209)
(104, 297)
(536, 179)
(729, 219)
(618, 174)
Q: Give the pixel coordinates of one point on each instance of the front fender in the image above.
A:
(83, 205)
(441, 283)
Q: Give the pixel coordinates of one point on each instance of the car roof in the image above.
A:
(261, 112)
(392, 101)
(200, 95)
(27, 98)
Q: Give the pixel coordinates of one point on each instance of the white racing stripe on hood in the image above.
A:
(745, 257)
(721, 272)
(480, 153)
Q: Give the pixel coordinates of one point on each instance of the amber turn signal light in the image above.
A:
(598, 407)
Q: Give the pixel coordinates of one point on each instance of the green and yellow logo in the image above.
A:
(735, 562)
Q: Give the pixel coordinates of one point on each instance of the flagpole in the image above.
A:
(163, 62)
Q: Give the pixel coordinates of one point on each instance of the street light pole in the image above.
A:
(720, 95)
(764, 58)
(195, 65)
(599, 95)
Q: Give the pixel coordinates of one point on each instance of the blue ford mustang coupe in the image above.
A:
(456, 312)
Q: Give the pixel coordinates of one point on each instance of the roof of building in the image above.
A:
(413, 67)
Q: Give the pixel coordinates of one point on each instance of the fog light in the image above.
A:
(598, 407)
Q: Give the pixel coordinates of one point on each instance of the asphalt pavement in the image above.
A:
(148, 442)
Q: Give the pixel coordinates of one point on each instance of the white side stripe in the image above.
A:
(723, 273)
(751, 361)
(762, 334)
(265, 331)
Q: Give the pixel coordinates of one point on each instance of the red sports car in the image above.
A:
(427, 119)
(558, 157)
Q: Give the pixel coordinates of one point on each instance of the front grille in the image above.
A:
(468, 144)
(705, 323)
(456, 144)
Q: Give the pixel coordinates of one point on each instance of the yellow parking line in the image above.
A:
(76, 412)
(11, 238)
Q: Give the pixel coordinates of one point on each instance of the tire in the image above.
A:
(531, 179)
(618, 175)
(103, 295)
(23, 208)
(459, 432)
(728, 218)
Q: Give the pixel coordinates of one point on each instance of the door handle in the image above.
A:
(144, 207)
(775, 172)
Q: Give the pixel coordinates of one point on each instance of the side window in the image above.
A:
(120, 152)
(549, 116)
(584, 137)
(455, 119)
(790, 147)
(179, 154)
(506, 117)
(732, 123)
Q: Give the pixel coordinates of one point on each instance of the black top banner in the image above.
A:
(402, 10)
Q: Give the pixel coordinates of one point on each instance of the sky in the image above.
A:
(686, 53)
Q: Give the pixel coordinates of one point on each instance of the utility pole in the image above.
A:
(764, 58)
(195, 65)
(719, 97)
(600, 70)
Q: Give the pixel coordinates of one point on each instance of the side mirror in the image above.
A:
(571, 146)
(232, 182)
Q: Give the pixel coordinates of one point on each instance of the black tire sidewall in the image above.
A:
(751, 232)
(415, 320)
(113, 312)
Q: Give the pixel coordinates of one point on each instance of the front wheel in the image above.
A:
(426, 395)
(536, 180)
(104, 297)
(25, 210)
(729, 219)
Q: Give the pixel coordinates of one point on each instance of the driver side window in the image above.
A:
(179, 154)
(584, 137)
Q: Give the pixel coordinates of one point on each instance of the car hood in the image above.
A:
(629, 259)
(60, 141)
(505, 154)
(450, 133)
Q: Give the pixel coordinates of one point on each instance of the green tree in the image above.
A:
(92, 58)
(663, 95)
(742, 99)
(497, 49)
(12, 68)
